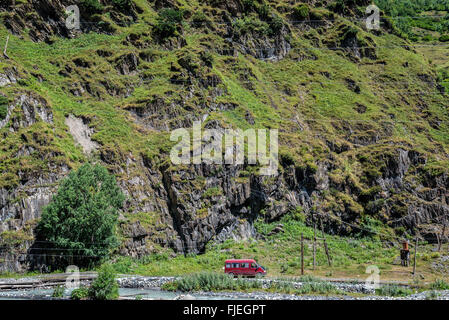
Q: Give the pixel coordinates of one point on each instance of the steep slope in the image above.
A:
(362, 118)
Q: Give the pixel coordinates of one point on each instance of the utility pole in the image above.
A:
(414, 259)
(6, 47)
(314, 245)
(325, 246)
(440, 239)
(302, 253)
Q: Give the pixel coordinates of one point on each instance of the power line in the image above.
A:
(340, 18)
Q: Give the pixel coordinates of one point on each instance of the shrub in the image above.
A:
(393, 291)
(250, 25)
(276, 24)
(3, 107)
(82, 217)
(80, 293)
(212, 192)
(207, 58)
(58, 292)
(207, 281)
(317, 287)
(104, 287)
(122, 5)
(444, 38)
(199, 18)
(301, 12)
(263, 10)
(282, 286)
(168, 22)
(298, 214)
(91, 6)
(432, 295)
(439, 284)
(123, 265)
(308, 278)
(248, 5)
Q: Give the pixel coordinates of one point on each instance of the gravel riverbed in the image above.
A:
(345, 287)
(150, 287)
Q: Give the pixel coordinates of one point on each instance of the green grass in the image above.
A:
(393, 291)
(208, 281)
(439, 284)
(280, 254)
(306, 95)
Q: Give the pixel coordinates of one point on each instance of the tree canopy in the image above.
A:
(79, 223)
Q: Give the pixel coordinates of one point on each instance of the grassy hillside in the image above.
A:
(338, 93)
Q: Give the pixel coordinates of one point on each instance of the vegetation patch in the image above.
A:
(105, 286)
(393, 291)
(81, 219)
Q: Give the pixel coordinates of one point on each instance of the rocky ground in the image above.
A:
(351, 291)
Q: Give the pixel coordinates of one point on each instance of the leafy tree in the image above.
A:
(104, 287)
(80, 221)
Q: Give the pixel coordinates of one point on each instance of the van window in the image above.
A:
(235, 265)
(228, 265)
(253, 265)
(245, 265)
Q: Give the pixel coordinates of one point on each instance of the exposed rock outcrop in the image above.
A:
(81, 133)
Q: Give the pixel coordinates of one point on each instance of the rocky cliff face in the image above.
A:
(107, 103)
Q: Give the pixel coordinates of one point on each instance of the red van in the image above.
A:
(244, 267)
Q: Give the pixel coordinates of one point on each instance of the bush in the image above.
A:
(122, 5)
(212, 192)
(393, 291)
(168, 22)
(282, 286)
(263, 10)
(123, 265)
(276, 24)
(301, 12)
(298, 214)
(444, 38)
(308, 278)
(207, 58)
(432, 295)
(199, 18)
(207, 281)
(104, 287)
(317, 287)
(3, 107)
(58, 292)
(79, 293)
(91, 6)
(439, 284)
(82, 217)
(248, 5)
(250, 25)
